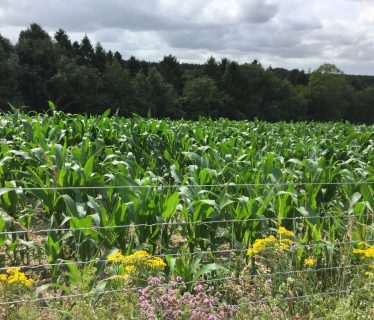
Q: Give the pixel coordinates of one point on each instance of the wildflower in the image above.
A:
(363, 244)
(287, 242)
(125, 277)
(116, 257)
(369, 274)
(358, 251)
(156, 263)
(261, 244)
(371, 266)
(160, 301)
(138, 260)
(368, 252)
(15, 276)
(281, 246)
(310, 262)
(130, 269)
(12, 270)
(285, 232)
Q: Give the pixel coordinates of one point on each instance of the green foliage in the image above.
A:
(38, 61)
(65, 152)
(200, 192)
(82, 77)
(328, 91)
(201, 98)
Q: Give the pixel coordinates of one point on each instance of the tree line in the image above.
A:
(81, 77)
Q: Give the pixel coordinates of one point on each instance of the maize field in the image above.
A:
(272, 217)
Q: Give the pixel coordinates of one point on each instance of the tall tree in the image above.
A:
(171, 71)
(234, 86)
(10, 71)
(281, 101)
(133, 65)
(37, 58)
(100, 57)
(63, 43)
(160, 97)
(212, 69)
(86, 51)
(81, 78)
(118, 89)
(118, 57)
(327, 93)
(201, 98)
(77, 88)
(362, 110)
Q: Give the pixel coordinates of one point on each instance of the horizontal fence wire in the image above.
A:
(181, 223)
(231, 307)
(319, 294)
(185, 254)
(78, 263)
(170, 186)
(210, 252)
(98, 293)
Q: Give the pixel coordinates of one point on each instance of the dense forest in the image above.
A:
(81, 77)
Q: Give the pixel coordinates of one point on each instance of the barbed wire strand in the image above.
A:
(286, 299)
(183, 254)
(91, 293)
(181, 223)
(7, 189)
(228, 184)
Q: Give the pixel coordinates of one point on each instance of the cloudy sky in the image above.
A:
(281, 33)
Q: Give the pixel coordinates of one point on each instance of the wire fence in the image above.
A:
(104, 292)
(184, 254)
(175, 186)
(347, 241)
(183, 223)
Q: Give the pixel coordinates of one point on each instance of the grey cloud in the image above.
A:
(259, 11)
(246, 38)
(92, 15)
(301, 24)
(279, 32)
(85, 15)
(111, 35)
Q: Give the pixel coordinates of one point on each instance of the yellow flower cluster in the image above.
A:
(368, 252)
(363, 244)
(283, 243)
(116, 257)
(285, 232)
(310, 262)
(15, 276)
(138, 260)
(261, 244)
(370, 273)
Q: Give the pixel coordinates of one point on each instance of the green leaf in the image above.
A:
(44, 287)
(170, 206)
(88, 167)
(51, 105)
(59, 156)
(70, 205)
(208, 268)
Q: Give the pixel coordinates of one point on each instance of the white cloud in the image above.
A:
(287, 33)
